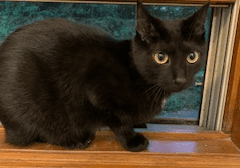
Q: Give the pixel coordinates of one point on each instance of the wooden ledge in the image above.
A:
(175, 150)
(115, 159)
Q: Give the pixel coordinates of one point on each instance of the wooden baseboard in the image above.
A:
(176, 150)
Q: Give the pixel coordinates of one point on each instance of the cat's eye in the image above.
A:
(193, 57)
(160, 58)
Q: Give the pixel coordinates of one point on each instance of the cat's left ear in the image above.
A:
(144, 26)
(193, 27)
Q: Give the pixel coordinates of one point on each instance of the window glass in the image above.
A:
(119, 20)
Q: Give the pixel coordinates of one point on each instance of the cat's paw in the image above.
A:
(81, 144)
(137, 143)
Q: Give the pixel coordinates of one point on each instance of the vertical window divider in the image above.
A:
(210, 67)
(218, 70)
(218, 66)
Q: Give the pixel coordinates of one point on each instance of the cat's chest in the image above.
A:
(150, 105)
(144, 109)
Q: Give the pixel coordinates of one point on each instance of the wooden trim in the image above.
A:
(178, 121)
(117, 160)
(231, 99)
(214, 2)
(177, 136)
(236, 119)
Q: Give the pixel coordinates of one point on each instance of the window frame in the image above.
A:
(212, 118)
(218, 66)
(35, 157)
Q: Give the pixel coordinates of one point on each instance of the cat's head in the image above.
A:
(169, 53)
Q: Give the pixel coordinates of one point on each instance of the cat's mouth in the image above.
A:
(173, 87)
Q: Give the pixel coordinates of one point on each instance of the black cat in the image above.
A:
(60, 81)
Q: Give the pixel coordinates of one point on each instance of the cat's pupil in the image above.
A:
(161, 57)
(192, 56)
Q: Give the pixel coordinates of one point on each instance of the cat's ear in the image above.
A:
(193, 27)
(144, 26)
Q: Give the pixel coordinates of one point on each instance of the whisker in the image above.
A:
(152, 91)
(154, 94)
(159, 95)
(155, 100)
(151, 88)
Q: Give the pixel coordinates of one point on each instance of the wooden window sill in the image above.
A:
(166, 149)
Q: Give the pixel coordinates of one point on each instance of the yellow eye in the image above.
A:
(193, 57)
(160, 58)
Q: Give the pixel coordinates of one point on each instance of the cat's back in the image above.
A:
(52, 34)
(56, 40)
(58, 50)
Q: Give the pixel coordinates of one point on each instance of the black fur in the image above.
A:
(60, 82)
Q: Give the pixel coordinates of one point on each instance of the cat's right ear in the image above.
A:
(144, 26)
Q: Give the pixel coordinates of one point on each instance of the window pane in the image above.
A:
(119, 20)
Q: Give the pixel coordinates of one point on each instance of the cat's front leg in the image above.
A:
(120, 122)
(123, 128)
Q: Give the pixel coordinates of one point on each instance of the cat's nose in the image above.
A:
(180, 80)
(180, 77)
